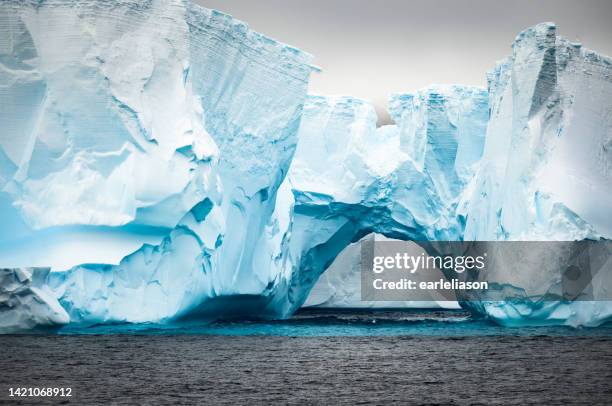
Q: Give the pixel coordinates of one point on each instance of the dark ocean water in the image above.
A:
(317, 357)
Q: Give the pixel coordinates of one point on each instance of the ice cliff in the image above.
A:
(141, 150)
(546, 170)
(546, 167)
(165, 162)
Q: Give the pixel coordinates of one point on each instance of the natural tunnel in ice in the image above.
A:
(169, 164)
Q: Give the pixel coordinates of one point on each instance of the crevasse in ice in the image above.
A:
(165, 161)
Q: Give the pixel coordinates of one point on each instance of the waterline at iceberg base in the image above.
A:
(161, 161)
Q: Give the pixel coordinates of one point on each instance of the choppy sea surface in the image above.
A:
(316, 357)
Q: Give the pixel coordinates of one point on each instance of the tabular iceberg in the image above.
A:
(165, 162)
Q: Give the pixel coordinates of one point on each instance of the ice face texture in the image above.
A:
(27, 302)
(165, 162)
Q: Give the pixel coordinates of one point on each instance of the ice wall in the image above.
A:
(546, 171)
(148, 138)
(94, 97)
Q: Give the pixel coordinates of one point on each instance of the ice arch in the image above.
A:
(367, 183)
(349, 178)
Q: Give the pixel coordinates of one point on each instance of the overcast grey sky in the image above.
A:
(371, 48)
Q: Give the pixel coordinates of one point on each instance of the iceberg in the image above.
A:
(545, 171)
(95, 97)
(141, 153)
(160, 161)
